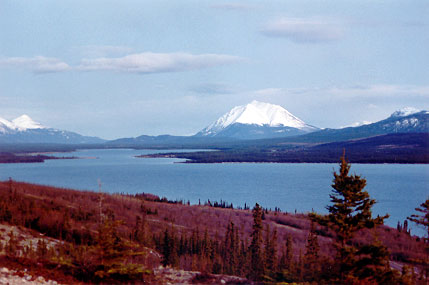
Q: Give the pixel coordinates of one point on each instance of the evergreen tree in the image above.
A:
(169, 249)
(231, 250)
(109, 259)
(270, 250)
(422, 219)
(311, 256)
(350, 212)
(374, 266)
(243, 261)
(140, 232)
(256, 255)
(287, 265)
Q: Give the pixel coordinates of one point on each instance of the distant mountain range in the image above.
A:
(24, 130)
(256, 121)
(265, 123)
(402, 121)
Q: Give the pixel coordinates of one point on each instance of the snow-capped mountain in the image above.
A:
(405, 112)
(21, 123)
(406, 120)
(257, 120)
(24, 130)
(24, 123)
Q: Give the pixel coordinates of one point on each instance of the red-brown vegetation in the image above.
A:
(196, 232)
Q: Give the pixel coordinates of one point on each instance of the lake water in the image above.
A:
(398, 189)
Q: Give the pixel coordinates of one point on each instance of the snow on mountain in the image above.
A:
(405, 112)
(6, 126)
(24, 122)
(259, 114)
(21, 123)
(24, 130)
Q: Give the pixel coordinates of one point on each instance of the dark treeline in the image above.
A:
(105, 238)
(13, 158)
(391, 148)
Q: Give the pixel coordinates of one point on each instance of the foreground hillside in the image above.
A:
(67, 235)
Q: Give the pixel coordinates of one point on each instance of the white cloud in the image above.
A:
(302, 30)
(37, 64)
(149, 62)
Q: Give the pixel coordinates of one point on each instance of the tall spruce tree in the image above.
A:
(110, 258)
(286, 263)
(231, 250)
(271, 250)
(256, 253)
(422, 219)
(350, 212)
(169, 248)
(311, 256)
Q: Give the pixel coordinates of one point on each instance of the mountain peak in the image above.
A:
(405, 112)
(24, 122)
(24, 130)
(257, 114)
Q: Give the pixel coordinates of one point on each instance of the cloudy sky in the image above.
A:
(127, 68)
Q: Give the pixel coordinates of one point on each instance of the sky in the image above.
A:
(126, 68)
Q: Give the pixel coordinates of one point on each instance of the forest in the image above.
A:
(89, 237)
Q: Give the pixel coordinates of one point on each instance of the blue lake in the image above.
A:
(398, 189)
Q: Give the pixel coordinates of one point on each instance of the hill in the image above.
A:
(69, 221)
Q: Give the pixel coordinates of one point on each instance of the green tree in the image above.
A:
(109, 259)
(270, 250)
(349, 213)
(231, 250)
(170, 248)
(256, 254)
(311, 256)
(422, 219)
(287, 264)
(374, 266)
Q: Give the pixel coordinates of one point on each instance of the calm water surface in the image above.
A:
(398, 189)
